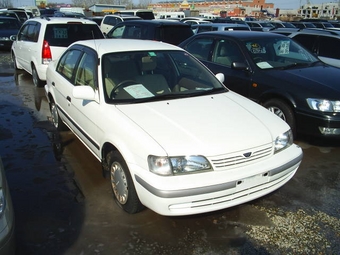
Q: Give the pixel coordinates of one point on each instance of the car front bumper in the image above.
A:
(229, 189)
(318, 125)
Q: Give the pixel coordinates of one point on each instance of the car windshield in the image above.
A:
(130, 77)
(281, 53)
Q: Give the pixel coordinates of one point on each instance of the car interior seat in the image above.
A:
(223, 57)
(155, 83)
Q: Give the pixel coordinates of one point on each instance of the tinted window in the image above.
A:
(22, 35)
(226, 52)
(67, 63)
(6, 24)
(86, 74)
(65, 34)
(200, 48)
(329, 47)
(175, 34)
(308, 41)
(204, 29)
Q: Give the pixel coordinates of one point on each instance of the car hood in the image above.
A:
(208, 125)
(322, 79)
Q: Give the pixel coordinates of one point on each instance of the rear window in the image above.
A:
(64, 34)
(175, 34)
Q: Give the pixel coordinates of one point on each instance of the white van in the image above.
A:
(170, 15)
(72, 9)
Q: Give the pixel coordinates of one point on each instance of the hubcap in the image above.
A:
(119, 183)
(35, 77)
(54, 115)
(278, 112)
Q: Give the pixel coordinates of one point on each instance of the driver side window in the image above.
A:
(85, 74)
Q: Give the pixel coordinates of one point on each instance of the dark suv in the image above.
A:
(173, 32)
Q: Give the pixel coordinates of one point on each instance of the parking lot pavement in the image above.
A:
(64, 206)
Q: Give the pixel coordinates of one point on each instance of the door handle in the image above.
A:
(53, 84)
(68, 98)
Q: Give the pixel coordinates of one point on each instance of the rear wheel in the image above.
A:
(122, 185)
(282, 110)
(36, 80)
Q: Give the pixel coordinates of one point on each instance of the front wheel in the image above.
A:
(36, 80)
(56, 120)
(15, 62)
(282, 110)
(122, 185)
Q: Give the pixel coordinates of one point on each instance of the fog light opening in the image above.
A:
(329, 131)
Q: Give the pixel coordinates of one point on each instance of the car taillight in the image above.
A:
(46, 55)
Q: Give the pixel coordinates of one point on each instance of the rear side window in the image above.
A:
(71, 58)
(308, 41)
(329, 47)
(175, 34)
(64, 34)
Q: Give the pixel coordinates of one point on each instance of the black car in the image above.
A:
(172, 32)
(276, 72)
(8, 27)
(325, 43)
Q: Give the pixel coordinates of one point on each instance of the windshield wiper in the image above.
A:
(295, 65)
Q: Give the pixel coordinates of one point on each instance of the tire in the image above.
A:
(283, 111)
(56, 120)
(36, 80)
(123, 189)
(15, 62)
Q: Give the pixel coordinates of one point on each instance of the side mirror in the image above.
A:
(240, 66)
(220, 77)
(83, 92)
(13, 37)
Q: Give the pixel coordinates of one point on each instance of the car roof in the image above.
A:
(222, 25)
(242, 34)
(60, 20)
(318, 31)
(123, 16)
(157, 22)
(103, 46)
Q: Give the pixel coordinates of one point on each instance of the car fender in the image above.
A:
(275, 93)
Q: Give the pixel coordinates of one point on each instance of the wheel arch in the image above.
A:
(281, 95)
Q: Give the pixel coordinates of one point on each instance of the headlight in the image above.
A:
(178, 165)
(283, 141)
(323, 105)
(4, 38)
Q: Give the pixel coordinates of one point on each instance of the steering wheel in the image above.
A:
(258, 59)
(122, 84)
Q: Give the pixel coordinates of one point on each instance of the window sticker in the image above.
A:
(60, 33)
(256, 48)
(152, 54)
(284, 48)
(264, 65)
(138, 91)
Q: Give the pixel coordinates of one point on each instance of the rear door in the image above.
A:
(26, 45)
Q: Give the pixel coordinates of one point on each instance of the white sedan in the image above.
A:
(168, 133)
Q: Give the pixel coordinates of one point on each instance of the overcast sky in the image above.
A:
(294, 4)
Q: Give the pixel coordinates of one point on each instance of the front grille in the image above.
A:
(224, 162)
